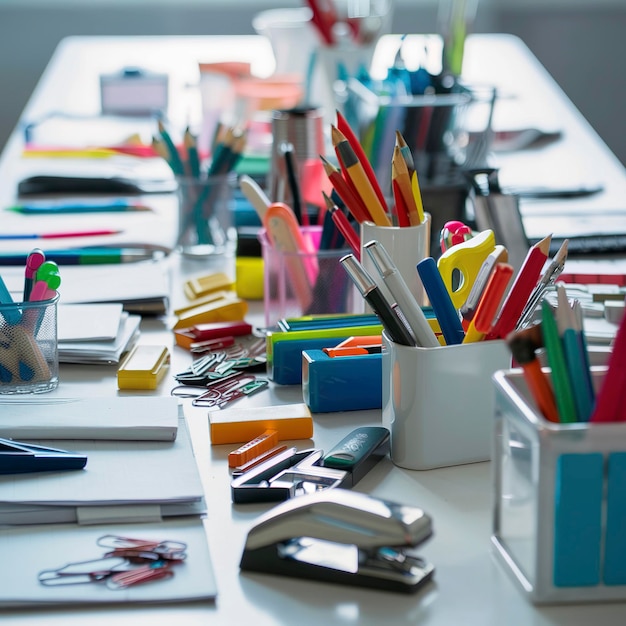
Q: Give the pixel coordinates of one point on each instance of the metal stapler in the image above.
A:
(342, 536)
(294, 473)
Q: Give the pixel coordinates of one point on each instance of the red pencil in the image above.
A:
(344, 226)
(351, 199)
(348, 133)
(522, 287)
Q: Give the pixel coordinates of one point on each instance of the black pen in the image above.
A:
(387, 315)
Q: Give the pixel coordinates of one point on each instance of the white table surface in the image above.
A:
(470, 585)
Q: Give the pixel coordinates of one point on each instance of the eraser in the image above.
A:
(235, 425)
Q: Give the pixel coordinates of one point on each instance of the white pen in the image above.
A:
(405, 300)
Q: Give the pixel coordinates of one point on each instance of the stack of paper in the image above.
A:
(95, 333)
(123, 481)
(119, 418)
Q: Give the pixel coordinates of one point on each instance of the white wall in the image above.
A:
(582, 43)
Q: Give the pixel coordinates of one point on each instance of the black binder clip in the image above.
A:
(294, 473)
(344, 537)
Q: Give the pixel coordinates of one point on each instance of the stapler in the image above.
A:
(293, 473)
(342, 536)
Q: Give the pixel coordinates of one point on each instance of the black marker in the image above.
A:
(397, 331)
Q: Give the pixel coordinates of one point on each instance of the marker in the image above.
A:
(404, 298)
(60, 235)
(33, 261)
(114, 206)
(84, 256)
(441, 302)
(397, 331)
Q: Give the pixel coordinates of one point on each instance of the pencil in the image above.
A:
(349, 197)
(522, 287)
(173, 158)
(193, 160)
(556, 360)
(400, 177)
(346, 130)
(405, 151)
(417, 195)
(343, 226)
(353, 170)
(522, 345)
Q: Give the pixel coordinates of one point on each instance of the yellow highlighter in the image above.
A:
(465, 259)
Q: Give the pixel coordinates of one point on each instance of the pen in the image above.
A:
(111, 206)
(404, 298)
(446, 314)
(84, 256)
(61, 235)
(398, 333)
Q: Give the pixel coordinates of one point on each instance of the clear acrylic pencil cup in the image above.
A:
(206, 221)
(29, 358)
(302, 282)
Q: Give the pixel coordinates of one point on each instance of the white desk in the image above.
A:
(470, 586)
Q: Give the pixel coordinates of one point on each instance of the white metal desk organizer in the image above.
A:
(560, 503)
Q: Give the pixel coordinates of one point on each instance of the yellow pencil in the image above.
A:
(417, 195)
(353, 169)
(400, 174)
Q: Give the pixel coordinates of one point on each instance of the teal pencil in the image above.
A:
(576, 361)
(173, 158)
(193, 160)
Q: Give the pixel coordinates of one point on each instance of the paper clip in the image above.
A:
(227, 391)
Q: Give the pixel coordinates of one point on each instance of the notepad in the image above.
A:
(123, 481)
(88, 322)
(118, 418)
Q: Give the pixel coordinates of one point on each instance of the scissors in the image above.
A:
(459, 265)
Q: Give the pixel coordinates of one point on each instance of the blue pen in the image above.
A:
(446, 314)
(108, 206)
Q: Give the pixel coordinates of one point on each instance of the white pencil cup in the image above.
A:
(438, 403)
(406, 246)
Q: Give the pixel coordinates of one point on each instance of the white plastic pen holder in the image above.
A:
(438, 403)
(560, 503)
(406, 246)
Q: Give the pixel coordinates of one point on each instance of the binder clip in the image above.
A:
(294, 473)
(344, 537)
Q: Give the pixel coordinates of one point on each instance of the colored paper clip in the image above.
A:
(294, 473)
(227, 391)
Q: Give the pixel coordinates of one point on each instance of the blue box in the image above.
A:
(344, 383)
